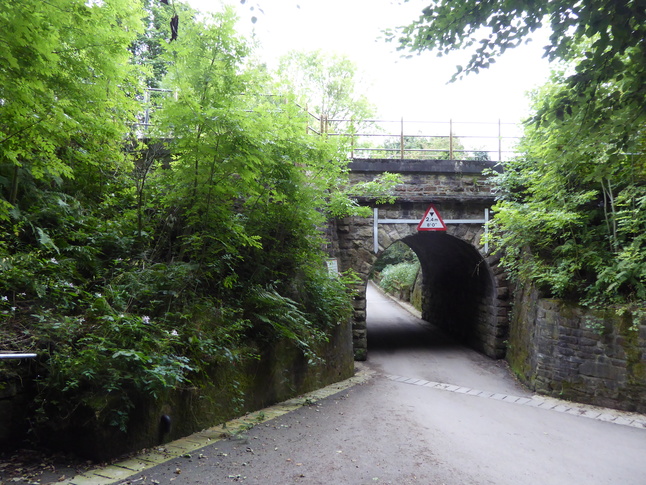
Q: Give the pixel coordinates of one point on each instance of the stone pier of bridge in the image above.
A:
(465, 292)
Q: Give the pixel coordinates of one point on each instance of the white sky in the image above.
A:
(416, 88)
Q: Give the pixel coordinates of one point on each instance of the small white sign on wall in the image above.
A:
(333, 267)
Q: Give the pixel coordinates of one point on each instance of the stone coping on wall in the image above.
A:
(421, 166)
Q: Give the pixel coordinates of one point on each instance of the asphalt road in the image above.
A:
(432, 412)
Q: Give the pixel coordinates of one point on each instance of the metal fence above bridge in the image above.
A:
(410, 139)
(389, 139)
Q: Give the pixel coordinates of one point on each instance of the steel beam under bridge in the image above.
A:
(377, 221)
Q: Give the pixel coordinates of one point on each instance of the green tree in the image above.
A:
(396, 253)
(602, 42)
(148, 47)
(429, 148)
(326, 84)
(67, 94)
(570, 214)
(425, 147)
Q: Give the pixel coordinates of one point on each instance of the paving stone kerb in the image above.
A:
(634, 420)
(464, 290)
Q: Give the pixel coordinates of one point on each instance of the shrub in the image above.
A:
(399, 277)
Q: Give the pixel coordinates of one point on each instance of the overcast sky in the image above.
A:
(415, 88)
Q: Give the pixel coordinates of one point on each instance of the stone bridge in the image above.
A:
(464, 290)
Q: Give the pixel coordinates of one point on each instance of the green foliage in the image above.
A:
(423, 147)
(570, 215)
(327, 84)
(381, 189)
(100, 369)
(134, 266)
(286, 319)
(397, 267)
(65, 92)
(148, 47)
(396, 253)
(399, 277)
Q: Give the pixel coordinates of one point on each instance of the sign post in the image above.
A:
(432, 221)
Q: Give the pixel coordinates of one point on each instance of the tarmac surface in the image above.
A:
(421, 410)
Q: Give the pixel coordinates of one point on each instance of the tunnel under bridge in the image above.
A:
(464, 291)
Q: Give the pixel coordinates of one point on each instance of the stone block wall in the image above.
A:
(15, 398)
(574, 353)
(215, 396)
(419, 187)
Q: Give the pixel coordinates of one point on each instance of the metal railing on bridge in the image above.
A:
(151, 102)
(391, 139)
(411, 139)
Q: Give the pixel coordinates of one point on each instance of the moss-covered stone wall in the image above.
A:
(222, 393)
(566, 351)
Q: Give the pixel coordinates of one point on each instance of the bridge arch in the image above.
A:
(458, 286)
(464, 291)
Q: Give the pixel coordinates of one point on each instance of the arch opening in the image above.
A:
(457, 287)
(458, 291)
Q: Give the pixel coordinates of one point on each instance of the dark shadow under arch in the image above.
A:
(457, 286)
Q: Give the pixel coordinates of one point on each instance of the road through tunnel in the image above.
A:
(460, 292)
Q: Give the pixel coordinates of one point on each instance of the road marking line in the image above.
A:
(614, 416)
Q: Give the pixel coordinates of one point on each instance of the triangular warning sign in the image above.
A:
(432, 221)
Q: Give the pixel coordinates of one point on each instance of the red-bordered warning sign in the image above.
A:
(432, 221)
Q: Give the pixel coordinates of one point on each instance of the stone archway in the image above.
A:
(458, 289)
(465, 292)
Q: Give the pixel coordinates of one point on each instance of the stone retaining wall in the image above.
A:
(573, 353)
(222, 393)
(15, 397)
(419, 187)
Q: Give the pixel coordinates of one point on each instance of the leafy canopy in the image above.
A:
(326, 83)
(134, 264)
(570, 215)
(66, 88)
(602, 42)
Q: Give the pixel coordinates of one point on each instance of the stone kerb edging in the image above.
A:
(622, 418)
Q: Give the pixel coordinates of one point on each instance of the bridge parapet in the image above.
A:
(380, 165)
(425, 180)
